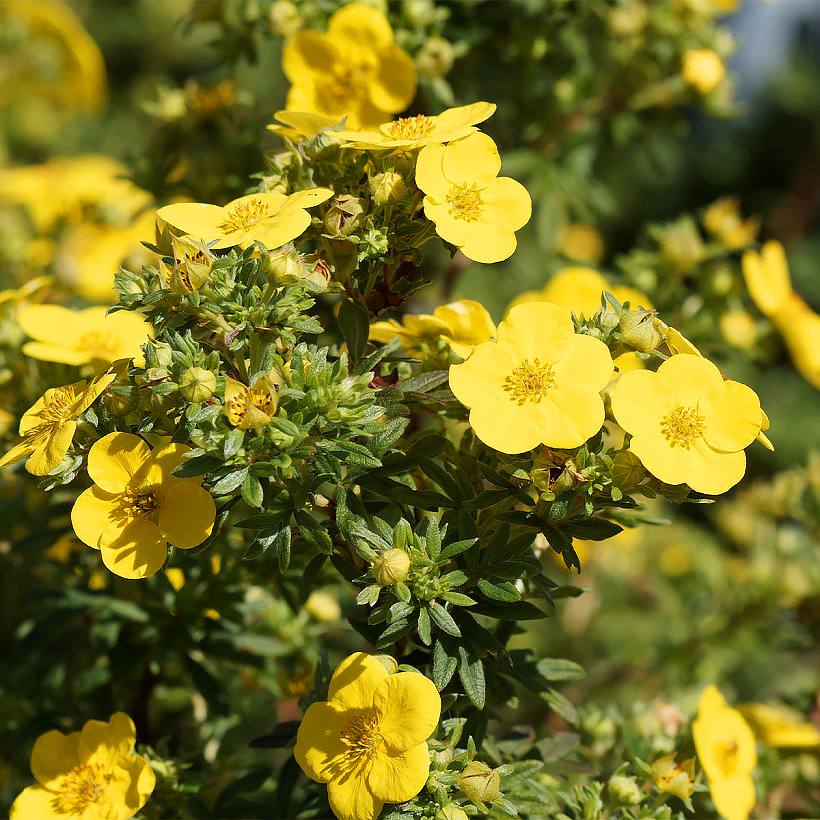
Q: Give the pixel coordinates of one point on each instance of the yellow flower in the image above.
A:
(738, 328)
(414, 132)
(539, 383)
(193, 263)
(688, 425)
(247, 408)
(703, 69)
(780, 726)
(48, 427)
(581, 242)
(273, 219)
(767, 277)
(136, 505)
(470, 205)
(83, 336)
(722, 220)
(674, 778)
(298, 124)
(92, 774)
(34, 290)
(367, 741)
(356, 69)
(462, 325)
(726, 749)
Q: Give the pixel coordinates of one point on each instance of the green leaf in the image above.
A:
(312, 531)
(444, 665)
(504, 591)
(388, 436)
(355, 325)
(251, 782)
(199, 465)
(369, 595)
(312, 571)
(559, 669)
(593, 529)
(207, 685)
(393, 632)
(424, 627)
(252, 491)
(458, 599)
(227, 484)
(424, 382)
(517, 611)
(432, 538)
(456, 548)
(444, 620)
(352, 453)
(561, 706)
(233, 441)
(259, 522)
(471, 672)
(279, 542)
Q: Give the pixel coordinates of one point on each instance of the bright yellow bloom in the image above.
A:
(703, 69)
(688, 425)
(136, 505)
(780, 726)
(356, 69)
(92, 774)
(471, 206)
(414, 132)
(247, 408)
(462, 325)
(367, 741)
(83, 336)
(48, 427)
(273, 219)
(767, 277)
(674, 778)
(726, 749)
(722, 220)
(539, 383)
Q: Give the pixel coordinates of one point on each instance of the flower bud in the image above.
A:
(639, 331)
(479, 782)
(451, 812)
(608, 319)
(391, 567)
(197, 384)
(323, 607)
(387, 187)
(345, 215)
(159, 355)
(625, 790)
(285, 267)
(703, 69)
(624, 21)
(284, 19)
(681, 245)
(435, 58)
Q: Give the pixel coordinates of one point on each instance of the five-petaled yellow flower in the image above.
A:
(539, 383)
(88, 775)
(415, 132)
(356, 69)
(136, 505)
(273, 219)
(48, 426)
(726, 748)
(471, 206)
(688, 425)
(83, 336)
(674, 778)
(367, 741)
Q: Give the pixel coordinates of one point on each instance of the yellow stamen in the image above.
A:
(346, 83)
(101, 343)
(412, 128)
(682, 426)
(361, 737)
(465, 202)
(244, 215)
(238, 406)
(262, 399)
(530, 381)
(58, 404)
(726, 753)
(139, 502)
(83, 785)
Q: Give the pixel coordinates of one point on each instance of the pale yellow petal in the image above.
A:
(354, 682)
(430, 174)
(473, 159)
(450, 228)
(52, 451)
(94, 512)
(408, 707)
(507, 426)
(570, 414)
(194, 218)
(690, 377)
(17, 453)
(351, 799)
(319, 740)
(285, 226)
(393, 86)
(714, 472)
(107, 741)
(734, 797)
(508, 200)
(54, 755)
(454, 119)
(584, 360)
(33, 802)
(141, 782)
(488, 241)
(55, 353)
(640, 400)
(308, 52)
(672, 465)
(733, 416)
(483, 374)
(115, 459)
(308, 197)
(537, 330)
(186, 515)
(52, 323)
(360, 28)
(396, 777)
(139, 552)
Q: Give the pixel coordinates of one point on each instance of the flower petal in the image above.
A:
(409, 706)
(393, 86)
(93, 513)
(308, 197)
(734, 797)
(115, 459)
(506, 426)
(308, 52)
(472, 159)
(17, 453)
(138, 552)
(488, 241)
(714, 472)
(107, 741)
(319, 740)
(396, 777)
(483, 374)
(430, 176)
(537, 330)
(584, 360)
(463, 116)
(690, 377)
(354, 682)
(141, 781)
(640, 401)
(35, 801)
(360, 28)
(733, 416)
(52, 450)
(508, 200)
(351, 798)
(672, 465)
(570, 414)
(186, 515)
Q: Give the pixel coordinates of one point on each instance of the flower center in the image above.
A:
(465, 202)
(262, 399)
(100, 343)
(726, 754)
(361, 737)
(82, 786)
(58, 404)
(140, 502)
(346, 82)
(243, 216)
(682, 426)
(238, 406)
(530, 380)
(411, 128)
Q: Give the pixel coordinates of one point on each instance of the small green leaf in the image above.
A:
(424, 627)
(252, 491)
(444, 620)
(199, 465)
(227, 484)
(471, 672)
(444, 665)
(504, 591)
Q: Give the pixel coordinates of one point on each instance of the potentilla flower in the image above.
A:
(250, 407)
(415, 132)
(722, 219)
(88, 775)
(539, 383)
(726, 748)
(703, 69)
(137, 506)
(355, 70)
(779, 726)
(688, 425)
(674, 778)
(83, 336)
(48, 426)
(367, 741)
(272, 219)
(471, 206)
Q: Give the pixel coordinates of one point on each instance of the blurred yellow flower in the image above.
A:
(272, 219)
(722, 219)
(415, 132)
(34, 290)
(462, 325)
(688, 425)
(92, 774)
(355, 70)
(470, 205)
(703, 69)
(83, 336)
(674, 778)
(581, 242)
(780, 726)
(539, 383)
(738, 328)
(297, 124)
(323, 606)
(367, 741)
(726, 749)
(48, 426)
(136, 505)
(767, 277)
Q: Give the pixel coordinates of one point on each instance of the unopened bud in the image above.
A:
(639, 331)
(323, 607)
(625, 790)
(608, 319)
(681, 245)
(159, 355)
(435, 58)
(480, 783)
(345, 215)
(387, 187)
(284, 19)
(451, 812)
(197, 384)
(391, 567)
